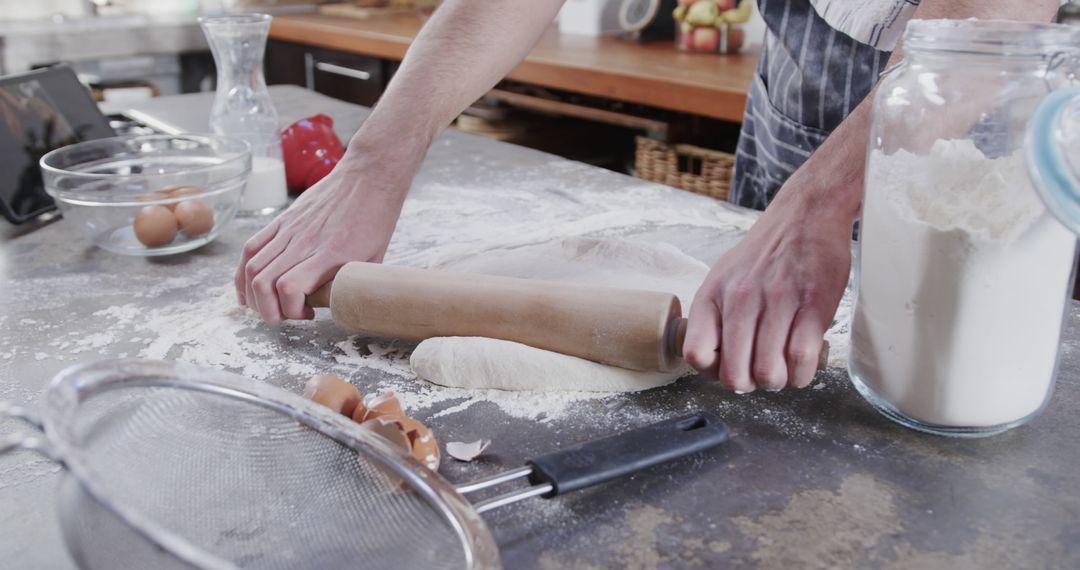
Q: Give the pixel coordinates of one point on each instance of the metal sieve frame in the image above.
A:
(569, 469)
(74, 385)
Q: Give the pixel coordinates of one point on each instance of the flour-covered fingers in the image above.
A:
(702, 344)
(804, 347)
(302, 280)
(277, 247)
(769, 369)
(741, 312)
(252, 246)
(263, 285)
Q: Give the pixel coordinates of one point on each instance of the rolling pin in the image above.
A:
(639, 330)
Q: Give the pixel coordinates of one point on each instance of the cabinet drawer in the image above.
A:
(349, 77)
(352, 78)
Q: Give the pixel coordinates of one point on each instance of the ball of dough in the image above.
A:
(196, 217)
(155, 226)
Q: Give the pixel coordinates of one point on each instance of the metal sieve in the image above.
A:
(170, 465)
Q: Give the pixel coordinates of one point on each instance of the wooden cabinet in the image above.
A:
(350, 77)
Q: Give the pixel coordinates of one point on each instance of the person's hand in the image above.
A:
(759, 318)
(347, 216)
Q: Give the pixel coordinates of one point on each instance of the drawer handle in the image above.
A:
(342, 70)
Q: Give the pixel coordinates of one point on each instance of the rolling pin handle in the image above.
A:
(321, 297)
(677, 336)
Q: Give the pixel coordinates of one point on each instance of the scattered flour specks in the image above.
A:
(214, 332)
(418, 395)
(92, 341)
(155, 316)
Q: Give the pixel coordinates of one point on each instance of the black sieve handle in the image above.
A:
(602, 460)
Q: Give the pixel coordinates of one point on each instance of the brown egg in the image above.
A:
(155, 226)
(333, 392)
(178, 191)
(195, 216)
(153, 196)
(170, 192)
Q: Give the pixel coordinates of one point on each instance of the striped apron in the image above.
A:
(809, 78)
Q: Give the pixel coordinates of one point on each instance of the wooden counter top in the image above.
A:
(653, 74)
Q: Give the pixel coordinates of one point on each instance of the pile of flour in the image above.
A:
(962, 287)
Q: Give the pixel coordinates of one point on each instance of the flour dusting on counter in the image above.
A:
(215, 332)
(189, 312)
(417, 394)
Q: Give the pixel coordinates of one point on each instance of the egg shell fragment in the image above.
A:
(333, 392)
(390, 430)
(380, 413)
(384, 404)
(425, 449)
(467, 451)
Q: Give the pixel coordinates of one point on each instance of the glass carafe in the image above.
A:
(242, 106)
(963, 275)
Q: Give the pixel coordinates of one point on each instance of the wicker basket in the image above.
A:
(685, 166)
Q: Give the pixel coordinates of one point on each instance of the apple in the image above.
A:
(705, 39)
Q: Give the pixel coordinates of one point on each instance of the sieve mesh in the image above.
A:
(245, 483)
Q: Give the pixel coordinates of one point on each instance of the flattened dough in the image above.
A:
(471, 362)
(477, 362)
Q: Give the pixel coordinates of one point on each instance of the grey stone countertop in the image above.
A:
(811, 479)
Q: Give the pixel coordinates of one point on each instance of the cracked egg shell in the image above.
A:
(333, 392)
(391, 430)
(384, 404)
(360, 411)
(425, 449)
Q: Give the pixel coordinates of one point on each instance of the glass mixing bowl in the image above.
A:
(121, 191)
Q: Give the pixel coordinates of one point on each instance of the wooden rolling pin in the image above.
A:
(639, 330)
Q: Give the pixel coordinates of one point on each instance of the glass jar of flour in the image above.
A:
(963, 277)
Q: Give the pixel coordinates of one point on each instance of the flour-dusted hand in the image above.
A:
(759, 319)
(348, 216)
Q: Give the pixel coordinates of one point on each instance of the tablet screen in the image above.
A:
(40, 111)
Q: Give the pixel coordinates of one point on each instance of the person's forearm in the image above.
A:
(461, 53)
(830, 183)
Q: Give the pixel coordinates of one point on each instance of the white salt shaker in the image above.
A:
(963, 277)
